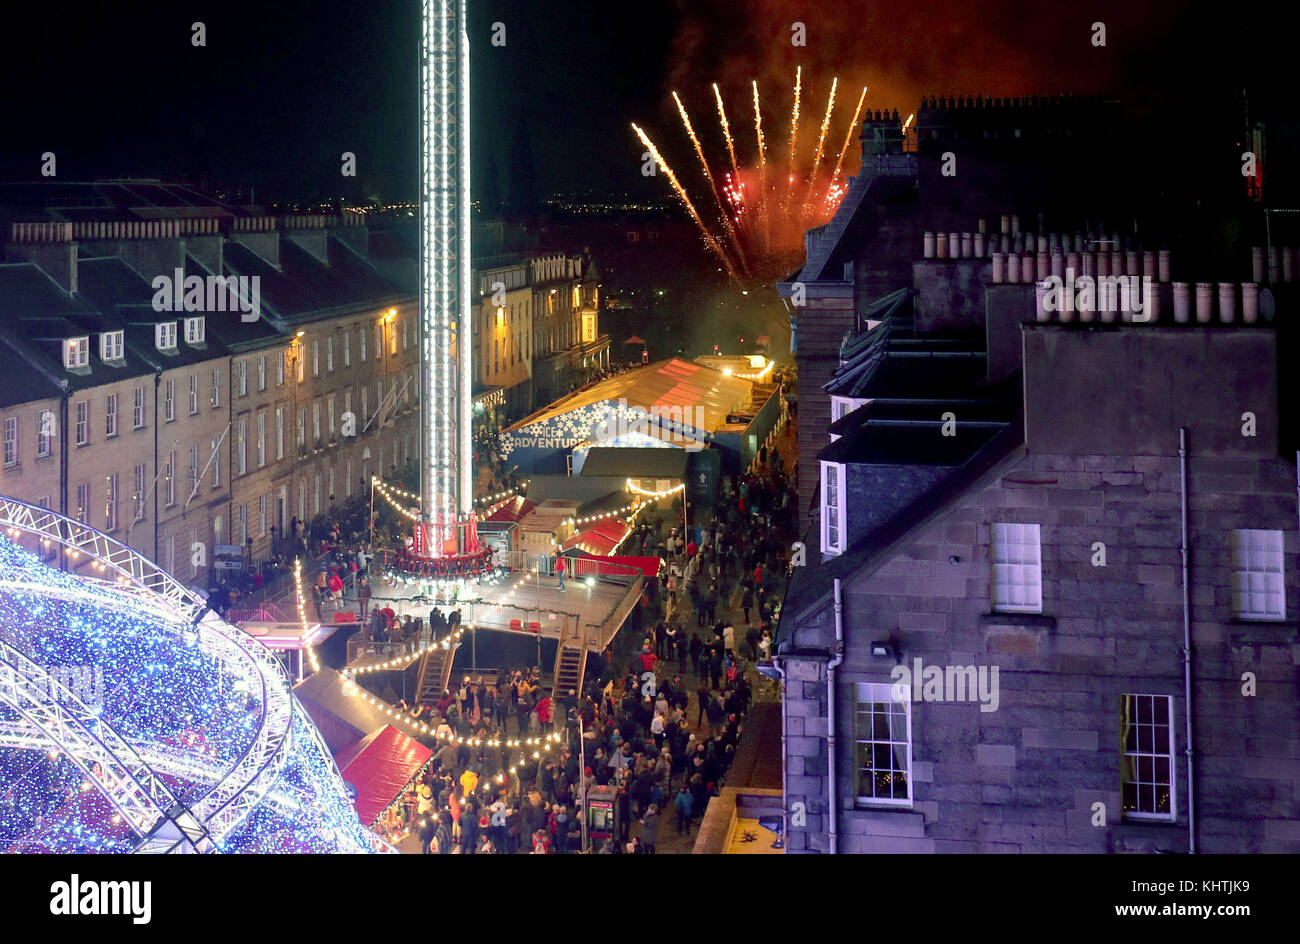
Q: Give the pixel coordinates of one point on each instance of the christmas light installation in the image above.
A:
(191, 741)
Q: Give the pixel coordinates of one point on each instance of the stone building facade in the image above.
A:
(1082, 744)
(176, 431)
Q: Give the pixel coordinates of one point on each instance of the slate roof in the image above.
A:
(303, 287)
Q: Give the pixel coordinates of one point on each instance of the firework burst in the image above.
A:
(757, 232)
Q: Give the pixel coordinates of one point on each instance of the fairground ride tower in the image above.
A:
(446, 304)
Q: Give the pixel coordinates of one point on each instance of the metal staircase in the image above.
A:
(570, 666)
(435, 673)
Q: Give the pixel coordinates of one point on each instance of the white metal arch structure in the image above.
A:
(446, 313)
(128, 783)
(227, 804)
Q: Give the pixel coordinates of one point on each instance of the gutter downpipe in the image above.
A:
(785, 765)
(1187, 646)
(833, 814)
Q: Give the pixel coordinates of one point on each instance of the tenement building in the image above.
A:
(1049, 604)
(182, 374)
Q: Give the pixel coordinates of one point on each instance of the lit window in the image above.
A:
(83, 502)
(1016, 580)
(76, 352)
(1147, 761)
(883, 744)
(1258, 590)
(110, 502)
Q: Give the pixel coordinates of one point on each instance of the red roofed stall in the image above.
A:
(380, 766)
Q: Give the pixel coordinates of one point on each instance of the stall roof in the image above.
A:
(341, 718)
(379, 766)
(674, 383)
(602, 538)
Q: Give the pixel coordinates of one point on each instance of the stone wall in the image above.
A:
(1026, 776)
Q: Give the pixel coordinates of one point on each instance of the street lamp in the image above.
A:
(537, 577)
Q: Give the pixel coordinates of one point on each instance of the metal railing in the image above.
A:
(387, 651)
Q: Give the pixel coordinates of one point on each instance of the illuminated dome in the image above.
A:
(131, 720)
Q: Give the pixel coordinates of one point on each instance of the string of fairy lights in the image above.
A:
(504, 495)
(392, 494)
(653, 494)
(388, 494)
(634, 507)
(448, 642)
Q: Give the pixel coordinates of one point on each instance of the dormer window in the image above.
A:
(194, 330)
(165, 336)
(76, 352)
(110, 346)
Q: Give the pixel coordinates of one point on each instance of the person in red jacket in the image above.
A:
(691, 548)
(758, 575)
(559, 571)
(544, 712)
(647, 659)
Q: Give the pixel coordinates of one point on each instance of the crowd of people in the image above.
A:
(658, 731)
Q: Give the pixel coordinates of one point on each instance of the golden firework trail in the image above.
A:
(762, 173)
(713, 186)
(817, 155)
(726, 133)
(686, 200)
(794, 138)
(848, 137)
(908, 122)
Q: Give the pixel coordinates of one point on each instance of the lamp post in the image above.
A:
(537, 575)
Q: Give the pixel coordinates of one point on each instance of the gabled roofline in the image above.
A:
(1008, 446)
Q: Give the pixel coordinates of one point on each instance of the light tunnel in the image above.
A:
(132, 720)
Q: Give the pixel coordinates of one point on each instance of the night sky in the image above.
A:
(284, 86)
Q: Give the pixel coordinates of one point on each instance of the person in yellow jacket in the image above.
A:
(468, 782)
